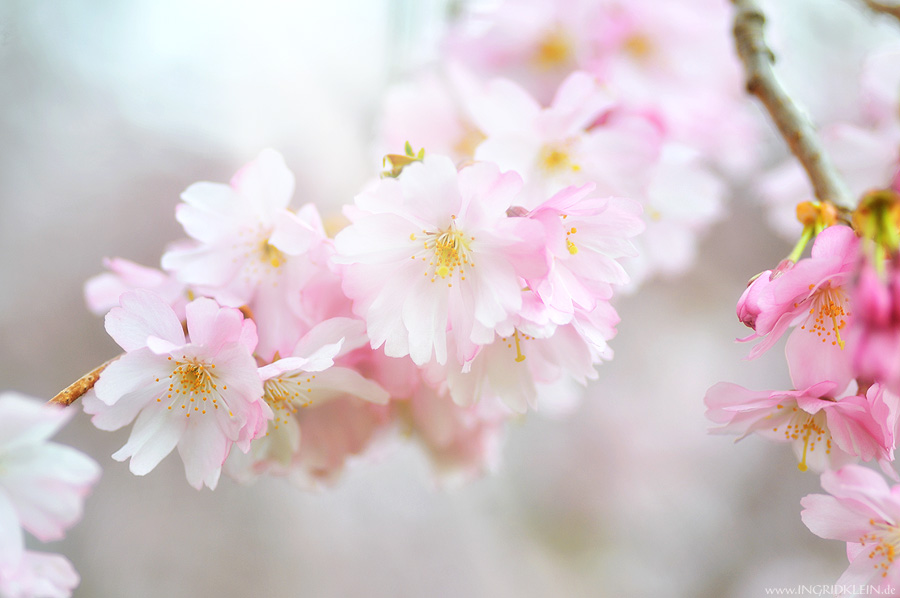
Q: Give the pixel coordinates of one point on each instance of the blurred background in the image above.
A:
(108, 110)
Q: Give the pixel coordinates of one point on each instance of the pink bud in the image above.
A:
(748, 305)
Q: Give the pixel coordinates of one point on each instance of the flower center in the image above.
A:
(638, 46)
(469, 140)
(555, 158)
(286, 393)
(554, 50)
(270, 255)
(520, 357)
(809, 428)
(886, 540)
(193, 388)
(259, 260)
(828, 315)
(447, 252)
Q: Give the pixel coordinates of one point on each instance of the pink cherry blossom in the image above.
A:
(876, 297)
(753, 299)
(301, 382)
(42, 487)
(462, 442)
(865, 513)
(202, 395)
(586, 237)
(681, 199)
(249, 248)
(646, 51)
(335, 434)
(812, 297)
(586, 137)
(427, 113)
(434, 251)
(566, 319)
(826, 432)
(576, 140)
(39, 575)
(513, 368)
(535, 43)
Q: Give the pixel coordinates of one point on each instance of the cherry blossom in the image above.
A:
(461, 442)
(826, 432)
(202, 395)
(813, 297)
(513, 368)
(645, 51)
(453, 256)
(861, 510)
(428, 112)
(586, 236)
(40, 575)
(42, 487)
(577, 139)
(304, 382)
(682, 199)
(876, 298)
(535, 43)
(250, 249)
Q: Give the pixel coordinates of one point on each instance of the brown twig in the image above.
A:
(794, 127)
(78, 388)
(892, 10)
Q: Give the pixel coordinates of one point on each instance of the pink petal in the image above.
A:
(25, 421)
(12, 541)
(830, 518)
(338, 381)
(41, 574)
(207, 211)
(211, 265)
(203, 448)
(432, 186)
(143, 314)
(212, 326)
(353, 332)
(266, 183)
(129, 373)
(47, 486)
(151, 439)
(811, 361)
(835, 241)
(292, 235)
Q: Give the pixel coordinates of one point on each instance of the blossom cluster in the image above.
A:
(557, 155)
(474, 276)
(42, 488)
(592, 90)
(442, 297)
(839, 309)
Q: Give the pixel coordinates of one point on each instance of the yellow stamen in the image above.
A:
(554, 50)
(271, 255)
(519, 356)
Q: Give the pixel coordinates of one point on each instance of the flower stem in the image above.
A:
(75, 390)
(793, 126)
